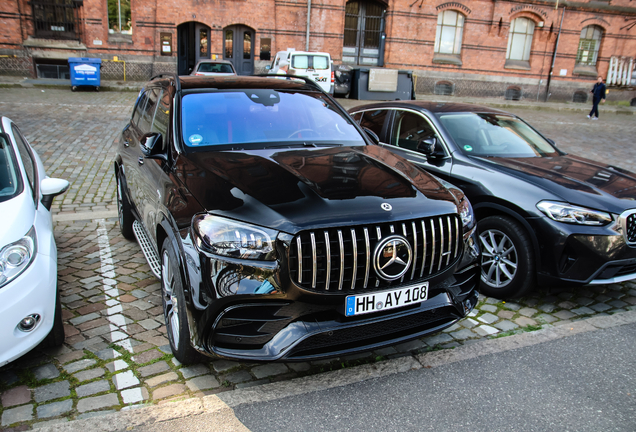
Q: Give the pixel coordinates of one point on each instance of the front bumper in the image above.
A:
(257, 320)
(33, 292)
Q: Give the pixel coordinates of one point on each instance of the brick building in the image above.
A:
(460, 47)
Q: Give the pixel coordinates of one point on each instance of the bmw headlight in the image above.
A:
(16, 257)
(234, 239)
(568, 213)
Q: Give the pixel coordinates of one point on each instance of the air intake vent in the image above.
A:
(513, 93)
(579, 97)
(444, 88)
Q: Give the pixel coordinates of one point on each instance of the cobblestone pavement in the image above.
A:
(116, 355)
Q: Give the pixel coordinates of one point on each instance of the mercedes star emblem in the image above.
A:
(392, 257)
(386, 207)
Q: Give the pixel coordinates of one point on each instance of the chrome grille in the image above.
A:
(341, 259)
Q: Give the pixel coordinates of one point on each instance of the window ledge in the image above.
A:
(517, 64)
(586, 70)
(453, 59)
(119, 38)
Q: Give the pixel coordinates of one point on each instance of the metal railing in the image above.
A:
(56, 19)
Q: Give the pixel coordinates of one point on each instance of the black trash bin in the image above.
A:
(342, 80)
(360, 88)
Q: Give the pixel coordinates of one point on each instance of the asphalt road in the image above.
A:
(580, 383)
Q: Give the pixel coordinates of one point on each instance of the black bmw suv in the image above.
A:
(278, 231)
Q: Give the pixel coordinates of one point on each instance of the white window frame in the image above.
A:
(449, 22)
(589, 44)
(519, 35)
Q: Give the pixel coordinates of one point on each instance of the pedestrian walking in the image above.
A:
(598, 93)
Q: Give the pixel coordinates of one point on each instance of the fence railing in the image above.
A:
(621, 72)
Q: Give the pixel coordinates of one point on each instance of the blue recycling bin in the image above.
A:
(85, 72)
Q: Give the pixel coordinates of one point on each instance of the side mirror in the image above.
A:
(152, 145)
(427, 146)
(372, 135)
(551, 141)
(50, 188)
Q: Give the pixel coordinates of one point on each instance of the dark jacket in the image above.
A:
(599, 91)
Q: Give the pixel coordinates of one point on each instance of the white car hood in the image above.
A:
(16, 218)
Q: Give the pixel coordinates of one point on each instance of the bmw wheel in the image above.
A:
(507, 264)
(174, 307)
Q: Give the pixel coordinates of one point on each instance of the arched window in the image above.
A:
(520, 39)
(450, 26)
(588, 45)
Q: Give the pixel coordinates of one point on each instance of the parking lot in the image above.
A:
(116, 354)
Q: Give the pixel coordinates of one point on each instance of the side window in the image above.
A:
(162, 116)
(27, 160)
(409, 129)
(374, 120)
(148, 114)
(139, 108)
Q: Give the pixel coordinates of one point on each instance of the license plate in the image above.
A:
(384, 300)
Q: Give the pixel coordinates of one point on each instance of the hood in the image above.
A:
(16, 218)
(291, 190)
(575, 179)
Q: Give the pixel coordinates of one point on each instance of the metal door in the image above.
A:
(364, 24)
(238, 48)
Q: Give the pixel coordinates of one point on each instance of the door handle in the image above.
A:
(140, 160)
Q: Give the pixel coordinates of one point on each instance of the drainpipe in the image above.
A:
(308, 22)
(556, 46)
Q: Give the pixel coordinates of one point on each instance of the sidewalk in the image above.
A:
(350, 103)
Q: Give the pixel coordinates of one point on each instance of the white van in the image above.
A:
(314, 65)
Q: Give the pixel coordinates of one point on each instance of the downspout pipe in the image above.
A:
(556, 47)
(308, 23)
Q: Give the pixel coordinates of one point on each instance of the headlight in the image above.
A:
(466, 214)
(562, 212)
(234, 239)
(16, 257)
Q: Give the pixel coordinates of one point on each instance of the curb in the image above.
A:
(218, 408)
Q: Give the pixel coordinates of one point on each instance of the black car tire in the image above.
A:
(124, 212)
(174, 307)
(508, 267)
(56, 335)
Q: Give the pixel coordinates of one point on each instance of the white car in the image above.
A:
(213, 68)
(30, 309)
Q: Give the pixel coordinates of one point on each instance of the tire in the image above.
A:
(73, 88)
(55, 337)
(174, 307)
(124, 212)
(507, 264)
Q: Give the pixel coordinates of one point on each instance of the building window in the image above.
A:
(229, 43)
(588, 45)
(443, 88)
(513, 93)
(448, 39)
(579, 96)
(119, 17)
(520, 40)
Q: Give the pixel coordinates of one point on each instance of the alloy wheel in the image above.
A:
(170, 301)
(499, 259)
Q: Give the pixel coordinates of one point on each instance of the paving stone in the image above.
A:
(567, 305)
(224, 365)
(600, 307)
(304, 366)
(528, 312)
(434, 340)
(488, 308)
(124, 380)
(410, 346)
(505, 314)
(237, 377)
(69, 357)
(548, 307)
(582, 311)
(161, 379)
(8, 378)
(204, 382)
(488, 318)
(154, 369)
(195, 370)
(134, 395)
(139, 293)
(584, 301)
(147, 356)
(15, 415)
(84, 318)
(511, 306)
(49, 423)
(630, 300)
(89, 374)
(617, 304)
(269, 369)
(97, 331)
(97, 402)
(485, 330)
(92, 388)
(108, 354)
(149, 324)
(545, 318)
(564, 315)
(491, 300)
(117, 365)
(463, 334)
(79, 365)
(94, 414)
(16, 396)
(452, 328)
(506, 325)
(52, 391)
(54, 409)
(171, 390)
(469, 323)
(525, 321)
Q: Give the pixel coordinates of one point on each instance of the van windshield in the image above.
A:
(263, 116)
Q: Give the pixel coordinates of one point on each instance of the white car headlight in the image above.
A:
(234, 239)
(568, 213)
(16, 257)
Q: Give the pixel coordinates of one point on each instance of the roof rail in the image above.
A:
(279, 76)
(177, 82)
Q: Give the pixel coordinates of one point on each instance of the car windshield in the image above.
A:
(215, 68)
(495, 135)
(264, 116)
(10, 184)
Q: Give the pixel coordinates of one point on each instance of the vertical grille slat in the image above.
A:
(344, 256)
